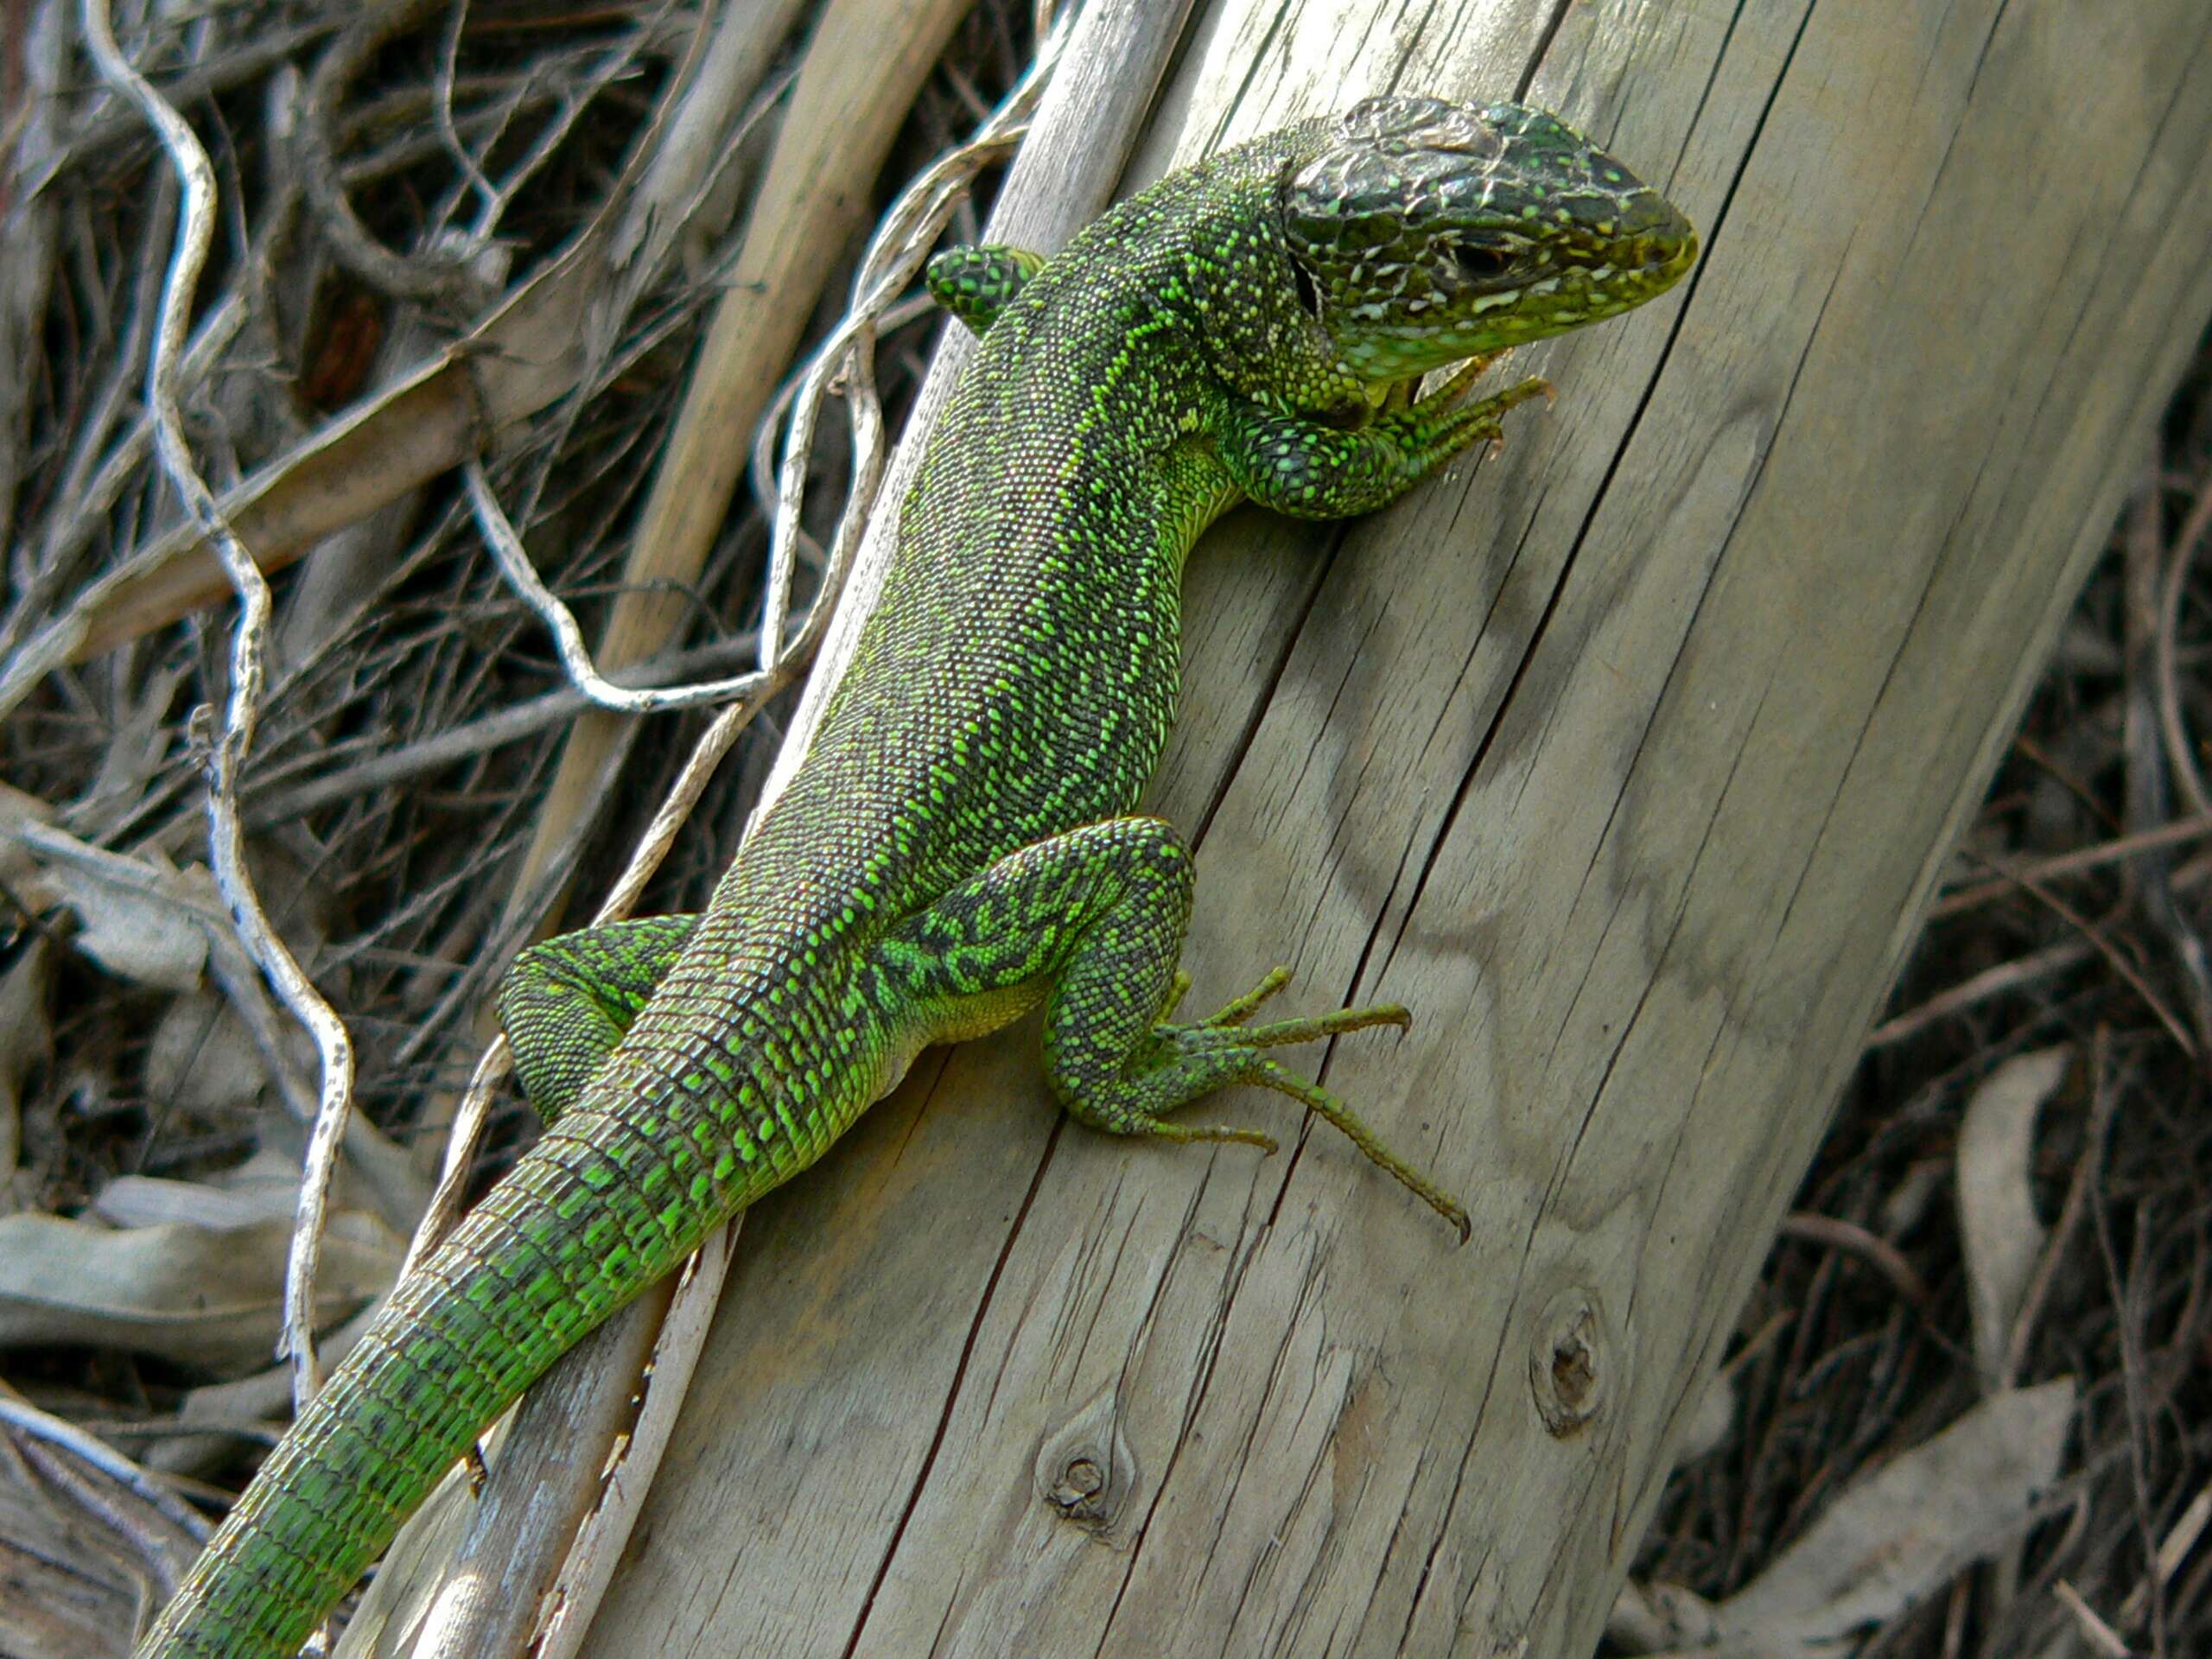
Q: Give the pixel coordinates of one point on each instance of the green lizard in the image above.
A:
(958, 848)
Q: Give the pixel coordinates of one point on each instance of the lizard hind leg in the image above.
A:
(567, 1001)
(1098, 914)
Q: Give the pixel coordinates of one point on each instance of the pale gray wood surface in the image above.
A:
(1627, 760)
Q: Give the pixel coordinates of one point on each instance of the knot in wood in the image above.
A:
(1079, 1488)
(1085, 1468)
(1567, 1362)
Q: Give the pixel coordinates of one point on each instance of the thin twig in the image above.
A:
(2150, 689)
(589, 1565)
(569, 107)
(457, 743)
(2180, 1538)
(2125, 1285)
(448, 72)
(2111, 952)
(249, 59)
(495, 948)
(1835, 1233)
(2010, 976)
(27, 1418)
(2103, 1640)
(2006, 976)
(498, 533)
(765, 466)
(70, 535)
(2181, 758)
(2077, 862)
(2104, 1098)
(195, 230)
(59, 556)
(444, 1209)
(439, 279)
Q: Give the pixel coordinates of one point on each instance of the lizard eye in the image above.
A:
(1480, 264)
(1308, 298)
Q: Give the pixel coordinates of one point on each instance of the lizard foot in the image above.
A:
(1224, 1045)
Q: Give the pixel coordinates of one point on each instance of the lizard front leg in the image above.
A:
(1311, 470)
(977, 282)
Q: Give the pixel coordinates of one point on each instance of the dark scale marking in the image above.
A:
(956, 847)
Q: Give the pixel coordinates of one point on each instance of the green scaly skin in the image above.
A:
(958, 847)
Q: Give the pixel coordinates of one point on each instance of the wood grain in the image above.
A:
(1628, 759)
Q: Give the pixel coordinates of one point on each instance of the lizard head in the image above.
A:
(1421, 232)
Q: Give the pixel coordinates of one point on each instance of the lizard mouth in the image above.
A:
(1667, 242)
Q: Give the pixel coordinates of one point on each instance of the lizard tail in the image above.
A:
(516, 1285)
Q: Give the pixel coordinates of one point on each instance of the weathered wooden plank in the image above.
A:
(1627, 760)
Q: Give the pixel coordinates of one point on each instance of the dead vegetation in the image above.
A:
(508, 231)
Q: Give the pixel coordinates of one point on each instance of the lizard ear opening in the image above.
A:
(1309, 298)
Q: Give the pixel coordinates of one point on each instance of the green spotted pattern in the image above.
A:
(975, 283)
(957, 847)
